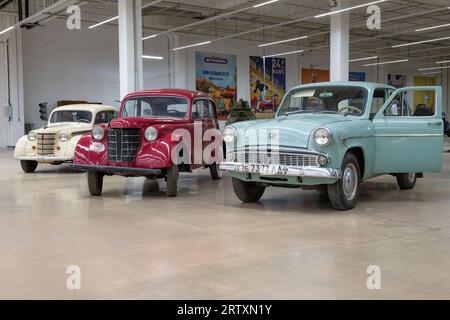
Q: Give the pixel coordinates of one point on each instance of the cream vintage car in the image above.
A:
(55, 143)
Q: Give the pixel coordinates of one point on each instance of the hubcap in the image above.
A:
(411, 177)
(350, 181)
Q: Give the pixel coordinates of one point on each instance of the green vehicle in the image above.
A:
(333, 136)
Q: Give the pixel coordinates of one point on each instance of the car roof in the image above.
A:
(85, 107)
(368, 85)
(190, 94)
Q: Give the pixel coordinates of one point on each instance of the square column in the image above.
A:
(130, 46)
(339, 43)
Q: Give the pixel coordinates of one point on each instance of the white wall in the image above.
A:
(11, 129)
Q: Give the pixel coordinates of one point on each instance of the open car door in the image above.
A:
(409, 137)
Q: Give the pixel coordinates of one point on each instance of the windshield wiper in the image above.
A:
(326, 111)
(294, 112)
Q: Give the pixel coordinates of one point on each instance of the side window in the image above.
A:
(102, 117)
(424, 103)
(379, 99)
(200, 109)
(399, 107)
(212, 109)
(111, 115)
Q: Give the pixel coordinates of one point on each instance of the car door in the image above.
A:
(409, 139)
(200, 117)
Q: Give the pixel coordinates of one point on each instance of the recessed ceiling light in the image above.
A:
(446, 61)
(264, 3)
(103, 22)
(419, 42)
(363, 59)
(282, 54)
(192, 45)
(385, 62)
(152, 57)
(282, 41)
(149, 37)
(348, 9)
(6, 30)
(433, 68)
(435, 27)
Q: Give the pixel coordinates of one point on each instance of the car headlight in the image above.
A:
(32, 136)
(151, 134)
(322, 136)
(63, 137)
(229, 134)
(98, 133)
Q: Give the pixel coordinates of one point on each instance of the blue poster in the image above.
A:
(357, 76)
(216, 74)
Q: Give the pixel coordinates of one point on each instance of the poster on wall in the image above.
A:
(357, 76)
(315, 75)
(397, 80)
(267, 84)
(216, 74)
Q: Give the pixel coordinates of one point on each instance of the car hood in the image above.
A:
(68, 128)
(291, 131)
(139, 122)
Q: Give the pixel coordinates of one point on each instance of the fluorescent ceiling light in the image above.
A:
(103, 22)
(192, 45)
(152, 57)
(149, 37)
(347, 9)
(433, 72)
(385, 62)
(264, 3)
(419, 42)
(433, 68)
(283, 54)
(6, 30)
(446, 61)
(363, 59)
(435, 27)
(282, 41)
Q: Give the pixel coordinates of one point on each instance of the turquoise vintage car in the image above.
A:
(333, 136)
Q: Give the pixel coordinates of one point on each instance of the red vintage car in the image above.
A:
(158, 134)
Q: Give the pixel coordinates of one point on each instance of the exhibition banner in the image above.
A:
(216, 74)
(322, 75)
(267, 84)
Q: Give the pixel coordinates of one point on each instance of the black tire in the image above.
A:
(172, 181)
(28, 166)
(248, 191)
(344, 193)
(406, 181)
(216, 174)
(95, 182)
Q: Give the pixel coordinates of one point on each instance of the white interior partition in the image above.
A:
(339, 43)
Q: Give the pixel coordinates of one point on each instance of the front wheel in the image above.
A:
(344, 194)
(216, 174)
(95, 182)
(248, 191)
(406, 181)
(28, 166)
(172, 181)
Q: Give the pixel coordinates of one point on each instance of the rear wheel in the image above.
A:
(406, 181)
(95, 182)
(248, 191)
(172, 181)
(216, 174)
(344, 194)
(28, 166)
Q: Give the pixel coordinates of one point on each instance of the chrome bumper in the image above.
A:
(45, 158)
(309, 172)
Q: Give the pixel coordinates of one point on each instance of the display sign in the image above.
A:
(216, 74)
(267, 84)
(312, 75)
(357, 76)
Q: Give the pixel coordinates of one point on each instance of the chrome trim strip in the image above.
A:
(46, 159)
(411, 135)
(309, 172)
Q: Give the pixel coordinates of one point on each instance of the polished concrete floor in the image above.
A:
(135, 243)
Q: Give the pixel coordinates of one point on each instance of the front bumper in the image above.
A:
(119, 170)
(46, 159)
(293, 171)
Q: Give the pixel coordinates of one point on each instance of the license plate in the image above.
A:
(263, 169)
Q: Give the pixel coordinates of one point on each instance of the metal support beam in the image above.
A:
(130, 46)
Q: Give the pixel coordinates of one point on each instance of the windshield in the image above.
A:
(81, 116)
(338, 99)
(155, 107)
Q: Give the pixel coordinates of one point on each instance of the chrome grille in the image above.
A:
(45, 143)
(123, 144)
(277, 157)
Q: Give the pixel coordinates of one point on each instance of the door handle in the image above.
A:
(435, 123)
